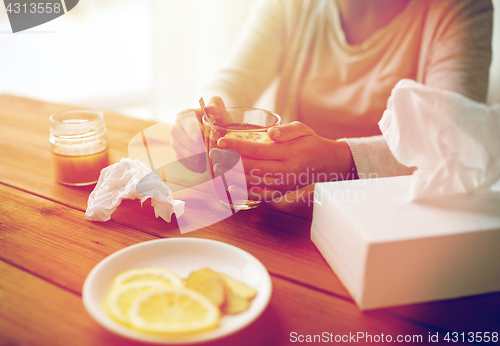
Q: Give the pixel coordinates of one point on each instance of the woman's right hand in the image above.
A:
(186, 133)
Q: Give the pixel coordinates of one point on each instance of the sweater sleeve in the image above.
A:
(373, 159)
(458, 39)
(255, 58)
(457, 58)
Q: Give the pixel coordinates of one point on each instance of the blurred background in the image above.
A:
(145, 58)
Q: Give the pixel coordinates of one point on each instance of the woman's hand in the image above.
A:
(187, 139)
(296, 157)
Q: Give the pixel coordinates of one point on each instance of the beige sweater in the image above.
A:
(341, 90)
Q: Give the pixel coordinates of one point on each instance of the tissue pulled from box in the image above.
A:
(130, 179)
(453, 141)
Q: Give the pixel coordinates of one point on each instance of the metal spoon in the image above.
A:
(228, 194)
(202, 104)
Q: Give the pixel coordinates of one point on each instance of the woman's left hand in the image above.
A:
(295, 157)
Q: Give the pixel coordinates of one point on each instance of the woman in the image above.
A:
(336, 62)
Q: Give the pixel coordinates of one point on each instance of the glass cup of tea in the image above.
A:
(227, 175)
(79, 146)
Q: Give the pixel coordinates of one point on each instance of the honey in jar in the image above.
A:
(79, 146)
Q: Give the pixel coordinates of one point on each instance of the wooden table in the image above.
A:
(47, 248)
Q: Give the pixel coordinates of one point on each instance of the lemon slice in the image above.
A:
(153, 274)
(249, 136)
(120, 300)
(173, 310)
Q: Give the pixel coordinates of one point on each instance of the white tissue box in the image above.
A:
(388, 251)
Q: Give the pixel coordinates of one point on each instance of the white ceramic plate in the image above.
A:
(182, 255)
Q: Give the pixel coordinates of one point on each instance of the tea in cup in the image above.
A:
(246, 124)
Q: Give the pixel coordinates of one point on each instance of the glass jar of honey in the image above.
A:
(79, 146)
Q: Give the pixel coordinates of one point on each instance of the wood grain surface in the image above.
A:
(47, 248)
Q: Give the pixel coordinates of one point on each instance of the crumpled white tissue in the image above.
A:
(453, 141)
(119, 181)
